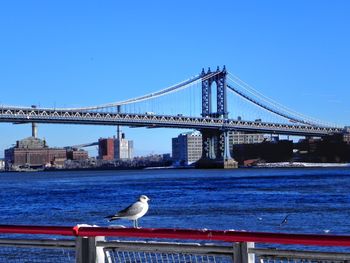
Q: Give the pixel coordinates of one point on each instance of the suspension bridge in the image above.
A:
(213, 102)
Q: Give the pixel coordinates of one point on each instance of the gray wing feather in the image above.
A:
(131, 210)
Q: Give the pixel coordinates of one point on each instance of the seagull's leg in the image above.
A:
(137, 223)
(134, 223)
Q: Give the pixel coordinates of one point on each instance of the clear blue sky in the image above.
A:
(80, 53)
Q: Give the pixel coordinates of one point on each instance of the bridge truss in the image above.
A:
(60, 116)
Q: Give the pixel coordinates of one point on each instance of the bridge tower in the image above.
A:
(215, 149)
(219, 77)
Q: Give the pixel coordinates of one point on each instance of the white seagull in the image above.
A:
(132, 212)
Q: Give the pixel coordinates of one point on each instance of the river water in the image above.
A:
(316, 200)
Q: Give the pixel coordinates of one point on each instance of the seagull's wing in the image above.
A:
(131, 210)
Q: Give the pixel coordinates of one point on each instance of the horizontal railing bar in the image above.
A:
(166, 247)
(225, 236)
(46, 243)
(36, 246)
(37, 230)
(299, 254)
(185, 234)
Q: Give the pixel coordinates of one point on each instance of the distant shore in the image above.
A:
(300, 165)
(255, 166)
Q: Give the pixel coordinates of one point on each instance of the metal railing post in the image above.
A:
(240, 252)
(101, 255)
(85, 250)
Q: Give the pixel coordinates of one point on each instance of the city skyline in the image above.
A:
(82, 54)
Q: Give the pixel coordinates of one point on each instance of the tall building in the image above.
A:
(187, 148)
(123, 148)
(115, 148)
(106, 149)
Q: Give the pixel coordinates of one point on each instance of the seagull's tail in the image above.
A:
(111, 218)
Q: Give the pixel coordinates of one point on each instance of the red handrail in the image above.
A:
(209, 235)
(37, 230)
(217, 235)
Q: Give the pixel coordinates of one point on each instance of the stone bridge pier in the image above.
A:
(215, 151)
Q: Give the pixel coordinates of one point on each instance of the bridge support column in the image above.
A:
(215, 150)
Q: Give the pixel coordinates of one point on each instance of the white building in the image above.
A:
(123, 148)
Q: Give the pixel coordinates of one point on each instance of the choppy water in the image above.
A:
(318, 200)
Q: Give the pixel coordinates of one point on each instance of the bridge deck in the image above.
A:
(28, 115)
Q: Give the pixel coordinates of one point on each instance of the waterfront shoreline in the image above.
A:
(282, 165)
(301, 165)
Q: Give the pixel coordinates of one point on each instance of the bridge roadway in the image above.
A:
(61, 116)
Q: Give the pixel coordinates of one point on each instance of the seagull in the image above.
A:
(285, 220)
(132, 212)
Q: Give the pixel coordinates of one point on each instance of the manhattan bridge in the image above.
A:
(213, 102)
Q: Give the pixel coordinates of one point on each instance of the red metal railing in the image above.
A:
(209, 235)
(37, 230)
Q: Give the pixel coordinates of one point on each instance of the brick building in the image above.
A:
(33, 152)
(106, 149)
(115, 148)
(77, 154)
